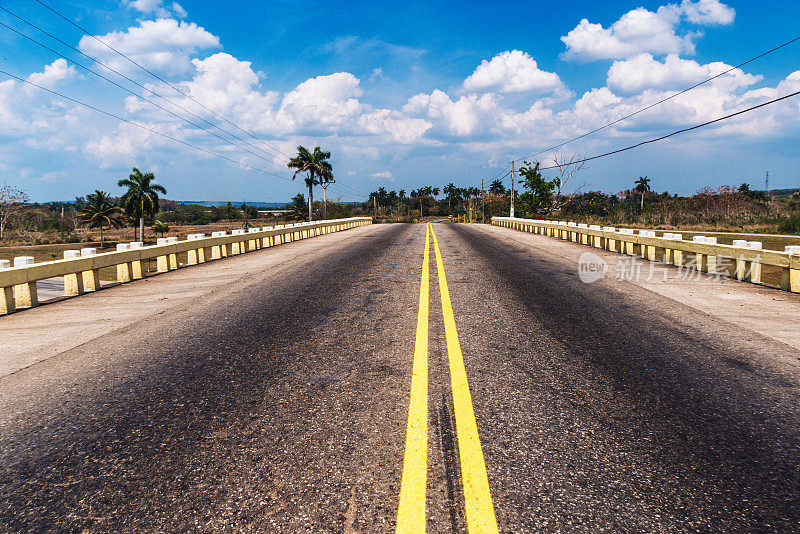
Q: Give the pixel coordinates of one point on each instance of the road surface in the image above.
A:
(279, 401)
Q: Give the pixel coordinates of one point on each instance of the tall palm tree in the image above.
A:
(449, 190)
(141, 198)
(642, 185)
(316, 166)
(99, 212)
(497, 187)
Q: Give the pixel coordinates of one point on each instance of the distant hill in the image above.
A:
(209, 203)
(784, 192)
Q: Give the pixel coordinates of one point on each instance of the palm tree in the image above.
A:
(161, 227)
(642, 185)
(99, 212)
(141, 198)
(450, 191)
(497, 187)
(318, 169)
(298, 206)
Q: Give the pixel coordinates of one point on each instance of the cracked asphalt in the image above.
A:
(279, 404)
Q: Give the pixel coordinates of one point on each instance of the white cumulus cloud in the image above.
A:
(467, 116)
(511, 72)
(53, 73)
(157, 7)
(324, 102)
(163, 45)
(707, 12)
(645, 72)
(641, 30)
(401, 129)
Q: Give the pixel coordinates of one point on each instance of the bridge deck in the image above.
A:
(270, 392)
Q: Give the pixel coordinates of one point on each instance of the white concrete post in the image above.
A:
(790, 276)
(755, 266)
(699, 257)
(73, 282)
(676, 256)
(623, 245)
(25, 295)
(7, 303)
(610, 242)
(647, 251)
(173, 257)
(136, 265)
(195, 255)
(711, 259)
(162, 262)
(216, 250)
(91, 278)
(254, 243)
(596, 240)
(739, 263)
(123, 269)
(582, 237)
(237, 247)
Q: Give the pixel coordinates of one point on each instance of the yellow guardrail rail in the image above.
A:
(741, 260)
(80, 267)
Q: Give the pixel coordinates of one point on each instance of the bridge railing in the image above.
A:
(741, 260)
(80, 268)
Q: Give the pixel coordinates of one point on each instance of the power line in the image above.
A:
(147, 100)
(117, 117)
(151, 91)
(159, 78)
(683, 130)
(501, 171)
(347, 190)
(663, 99)
(156, 76)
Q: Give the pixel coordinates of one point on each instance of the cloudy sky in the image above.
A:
(402, 93)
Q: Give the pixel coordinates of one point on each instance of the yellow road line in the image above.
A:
(477, 498)
(411, 515)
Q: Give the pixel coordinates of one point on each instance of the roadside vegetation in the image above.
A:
(140, 211)
(727, 208)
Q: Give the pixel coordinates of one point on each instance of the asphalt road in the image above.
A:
(282, 406)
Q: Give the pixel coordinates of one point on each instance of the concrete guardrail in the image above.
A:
(742, 260)
(80, 267)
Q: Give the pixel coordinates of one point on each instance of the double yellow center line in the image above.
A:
(411, 516)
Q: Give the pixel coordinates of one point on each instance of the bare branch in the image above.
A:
(12, 201)
(567, 167)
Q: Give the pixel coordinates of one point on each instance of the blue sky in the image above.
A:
(402, 94)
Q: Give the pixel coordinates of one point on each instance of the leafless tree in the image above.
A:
(12, 201)
(567, 167)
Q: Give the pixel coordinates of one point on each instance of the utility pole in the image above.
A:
(766, 184)
(483, 203)
(513, 179)
(325, 197)
(375, 205)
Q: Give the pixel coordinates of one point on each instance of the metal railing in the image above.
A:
(80, 268)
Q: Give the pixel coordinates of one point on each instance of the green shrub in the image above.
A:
(790, 225)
